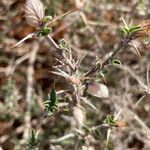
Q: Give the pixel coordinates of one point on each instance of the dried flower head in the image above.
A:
(145, 27)
(34, 13)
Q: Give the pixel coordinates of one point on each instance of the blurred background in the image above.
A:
(95, 30)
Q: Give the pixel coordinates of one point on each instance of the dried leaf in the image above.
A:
(34, 12)
(120, 123)
(98, 90)
(79, 115)
(145, 27)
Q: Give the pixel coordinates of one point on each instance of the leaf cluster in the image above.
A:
(110, 120)
(51, 104)
(44, 32)
(129, 31)
(31, 141)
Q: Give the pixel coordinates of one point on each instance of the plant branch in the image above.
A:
(29, 92)
(100, 66)
(60, 52)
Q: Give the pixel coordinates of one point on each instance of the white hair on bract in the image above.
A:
(34, 12)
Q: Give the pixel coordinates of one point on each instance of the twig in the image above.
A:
(63, 15)
(30, 73)
(60, 51)
(137, 78)
(94, 34)
(70, 135)
(52, 42)
(19, 61)
(147, 76)
(145, 128)
(137, 103)
(86, 101)
(100, 66)
(29, 36)
(100, 126)
(85, 21)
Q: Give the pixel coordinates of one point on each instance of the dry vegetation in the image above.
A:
(85, 85)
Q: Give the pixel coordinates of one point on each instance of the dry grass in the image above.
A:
(30, 70)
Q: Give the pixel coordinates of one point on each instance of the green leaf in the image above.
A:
(110, 120)
(31, 141)
(53, 96)
(51, 103)
(103, 72)
(44, 31)
(131, 30)
(134, 29)
(116, 62)
(63, 44)
(86, 129)
(47, 19)
(125, 30)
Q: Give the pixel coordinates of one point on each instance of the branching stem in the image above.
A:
(100, 66)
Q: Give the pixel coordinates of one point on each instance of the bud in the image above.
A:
(34, 12)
